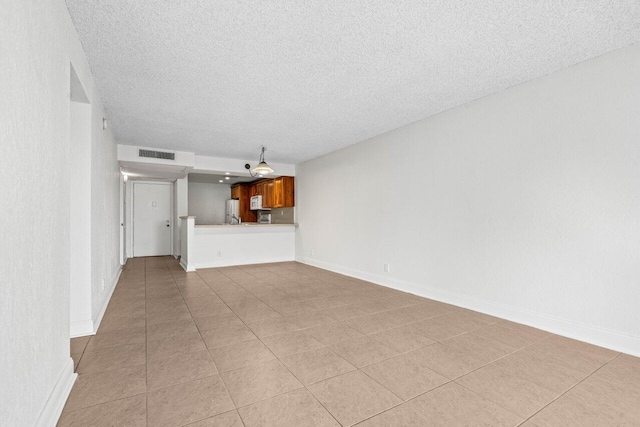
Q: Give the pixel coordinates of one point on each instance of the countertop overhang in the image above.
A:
(243, 225)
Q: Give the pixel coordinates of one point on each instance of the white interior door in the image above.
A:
(151, 219)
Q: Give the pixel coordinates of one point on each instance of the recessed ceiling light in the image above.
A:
(226, 177)
(221, 181)
(227, 173)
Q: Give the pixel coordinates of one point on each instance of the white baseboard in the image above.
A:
(187, 267)
(86, 327)
(52, 410)
(80, 328)
(598, 336)
(243, 261)
(112, 287)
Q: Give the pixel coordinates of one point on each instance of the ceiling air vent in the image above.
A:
(156, 154)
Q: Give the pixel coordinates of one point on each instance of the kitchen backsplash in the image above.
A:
(282, 215)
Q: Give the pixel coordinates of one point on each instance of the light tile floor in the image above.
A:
(291, 345)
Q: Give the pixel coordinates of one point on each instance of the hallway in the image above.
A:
(289, 344)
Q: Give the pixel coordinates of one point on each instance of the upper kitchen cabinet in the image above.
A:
(267, 199)
(242, 192)
(236, 192)
(259, 189)
(283, 192)
(276, 192)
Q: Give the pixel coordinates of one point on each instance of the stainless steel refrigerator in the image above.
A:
(233, 212)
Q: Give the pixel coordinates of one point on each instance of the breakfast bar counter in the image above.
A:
(221, 245)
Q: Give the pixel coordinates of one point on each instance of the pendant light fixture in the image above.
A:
(263, 168)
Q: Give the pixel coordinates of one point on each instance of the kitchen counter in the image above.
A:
(221, 245)
(244, 224)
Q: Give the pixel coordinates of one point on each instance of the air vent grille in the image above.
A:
(156, 154)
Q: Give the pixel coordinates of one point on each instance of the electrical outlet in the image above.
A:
(387, 268)
(103, 283)
(219, 253)
(311, 252)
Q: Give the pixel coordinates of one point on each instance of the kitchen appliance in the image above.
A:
(264, 218)
(233, 212)
(256, 203)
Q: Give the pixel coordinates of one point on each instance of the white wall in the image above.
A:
(181, 208)
(80, 218)
(255, 244)
(105, 214)
(524, 204)
(207, 202)
(37, 45)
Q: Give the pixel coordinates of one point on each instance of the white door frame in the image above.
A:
(123, 221)
(133, 199)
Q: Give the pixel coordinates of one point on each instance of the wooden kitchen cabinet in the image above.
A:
(258, 189)
(276, 192)
(242, 192)
(283, 192)
(235, 192)
(267, 199)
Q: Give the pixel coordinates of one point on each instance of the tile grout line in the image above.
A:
(305, 386)
(146, 349)
(570, 388)
(406, 401)
(209, 350)
(235, 408)
(487, 364)
(100, 372)
(449, 380)
(325, 346)
(280, 361)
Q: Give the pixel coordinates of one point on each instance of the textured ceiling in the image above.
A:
(304, 78)
(215, 178)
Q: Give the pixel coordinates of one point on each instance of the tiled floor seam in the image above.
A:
(522, 349)
(201, 337)
(84, 408)
(209, 350)
(146, 343)
(278, 359)
(489, 363)
(320, 403)
(404, 402)
(305, 386)
(451, 380)
(570, 388)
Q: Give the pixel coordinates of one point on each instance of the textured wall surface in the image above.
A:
(37, 44)
(207, 202)
(80, 218)
(222, 78)
(525, 203)
(105, 211)
(181, 208)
